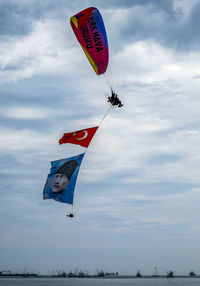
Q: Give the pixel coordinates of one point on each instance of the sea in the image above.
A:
(99, 282)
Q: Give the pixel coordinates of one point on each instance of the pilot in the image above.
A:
(114, 100)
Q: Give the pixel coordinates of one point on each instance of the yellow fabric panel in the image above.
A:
(90, 60)
(74, 20)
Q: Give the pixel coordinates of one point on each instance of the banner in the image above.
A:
(61, 181)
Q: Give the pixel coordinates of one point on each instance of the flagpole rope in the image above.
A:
(100, 124)
(105, 115)
(88, 146)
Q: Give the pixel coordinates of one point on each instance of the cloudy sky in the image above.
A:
(137, 198)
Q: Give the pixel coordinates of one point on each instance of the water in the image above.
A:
(99, 282)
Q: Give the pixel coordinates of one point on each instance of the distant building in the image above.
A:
(138, 274)
(170, 274)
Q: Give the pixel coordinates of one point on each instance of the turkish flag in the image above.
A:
(80, 137)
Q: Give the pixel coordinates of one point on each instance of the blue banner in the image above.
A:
(61, 181)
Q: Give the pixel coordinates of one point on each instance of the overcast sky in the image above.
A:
(137, 198)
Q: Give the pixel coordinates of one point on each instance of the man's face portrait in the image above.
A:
(59, 183)
(62, 176)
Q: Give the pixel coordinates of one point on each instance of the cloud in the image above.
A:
(14, 20)
(25, 113)
(166, 24)
(37, 52)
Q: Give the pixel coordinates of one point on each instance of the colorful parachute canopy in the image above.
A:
(61, 181)
(89, 29)
(80, 137)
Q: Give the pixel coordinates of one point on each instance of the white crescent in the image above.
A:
(84, 136)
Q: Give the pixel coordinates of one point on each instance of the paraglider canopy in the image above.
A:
(89, 29)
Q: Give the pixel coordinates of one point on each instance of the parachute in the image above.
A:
(89, 29)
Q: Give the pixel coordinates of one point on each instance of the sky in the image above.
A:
(137, 197)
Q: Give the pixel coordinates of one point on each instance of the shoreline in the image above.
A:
(20, 275)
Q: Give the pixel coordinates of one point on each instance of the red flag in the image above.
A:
(80, 137)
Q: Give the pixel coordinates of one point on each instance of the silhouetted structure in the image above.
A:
(138, 274)
(170, 274)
